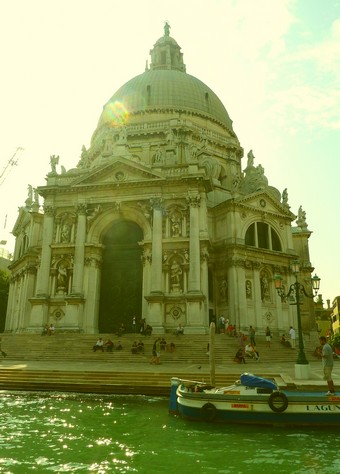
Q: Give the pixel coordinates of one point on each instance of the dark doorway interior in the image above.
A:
(122, 272)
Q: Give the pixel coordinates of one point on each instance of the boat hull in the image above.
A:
(253, 405)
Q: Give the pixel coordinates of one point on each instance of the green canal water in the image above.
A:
(56, 433)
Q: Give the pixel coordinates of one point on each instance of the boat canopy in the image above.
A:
(250, 380)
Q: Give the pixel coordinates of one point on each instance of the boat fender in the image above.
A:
(208, 412)
(278, 402)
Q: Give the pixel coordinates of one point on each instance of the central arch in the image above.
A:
(122, 274)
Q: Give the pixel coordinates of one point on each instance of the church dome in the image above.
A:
(166, 90)
(164, 87)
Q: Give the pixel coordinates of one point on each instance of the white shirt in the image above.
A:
(292, 333)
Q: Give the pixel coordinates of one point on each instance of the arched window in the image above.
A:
(263, 236)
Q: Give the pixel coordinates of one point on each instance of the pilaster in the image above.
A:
(156, 265)
(79, 252)
(43, 277)
(194, 245)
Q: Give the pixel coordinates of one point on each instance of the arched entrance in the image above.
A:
(122, 273)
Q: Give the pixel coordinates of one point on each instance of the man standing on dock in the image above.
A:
(327, 364)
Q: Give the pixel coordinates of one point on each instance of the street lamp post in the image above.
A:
(297, 290)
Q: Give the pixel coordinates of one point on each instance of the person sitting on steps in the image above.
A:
(180, 330)
(239, 357)
(251, 352)
(99, 345)
(109, 345)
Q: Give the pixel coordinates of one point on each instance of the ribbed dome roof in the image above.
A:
(164, 87)
(168, 89)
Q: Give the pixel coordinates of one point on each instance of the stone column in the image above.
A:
(79, 252)
(194, 245)
(238, 313)
(40, 303)
(205, 282)
(11, 320)
(43, 277)
(92, 276)
(156, 270)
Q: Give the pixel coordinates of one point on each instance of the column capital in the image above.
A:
(156, 203)
(49, 211)
(193, 200)
(81, 209)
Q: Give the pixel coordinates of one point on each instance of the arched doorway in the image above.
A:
(122, 273)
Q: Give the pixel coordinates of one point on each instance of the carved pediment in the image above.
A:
(23, 220)
(265, 202)
(120, 170)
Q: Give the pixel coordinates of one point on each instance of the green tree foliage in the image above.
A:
(4, 287)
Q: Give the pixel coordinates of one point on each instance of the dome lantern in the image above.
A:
(166, 54)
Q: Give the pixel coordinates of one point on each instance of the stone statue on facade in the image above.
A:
(123, 135)
(62, 277)
(29, 199)
(251, 158)
(175, 225)
(285, 197)
(249, 290)
(193, 151)
(84, 158)
(166, 29)
(301, 220)
(264, 288)
(30, 192)
(170, 137)
(54, 160)
(158, 157)
(65, 234)
(176, 276)
(254, 179)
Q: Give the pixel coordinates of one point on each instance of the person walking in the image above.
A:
(156, 352)
(327, 364)
(292, 336)
(252, 335)
(268, 336)
(134, 325)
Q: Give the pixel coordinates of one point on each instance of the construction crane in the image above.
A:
(13, 161)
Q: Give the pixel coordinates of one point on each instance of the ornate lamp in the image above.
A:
(297, 291)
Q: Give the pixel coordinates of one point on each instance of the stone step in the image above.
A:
(155, 383)
(189, 348)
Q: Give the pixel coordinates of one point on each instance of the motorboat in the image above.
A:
(253, 400)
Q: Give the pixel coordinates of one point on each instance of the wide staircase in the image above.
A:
(78, 368)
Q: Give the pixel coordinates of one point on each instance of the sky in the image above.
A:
(275, 65)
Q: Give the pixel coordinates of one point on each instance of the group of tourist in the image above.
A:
(144, 328)
(107, 346)
(48, 330)
(225, 327)
(137, 347)
(324, 352)
(291, 340)
(160, 345)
